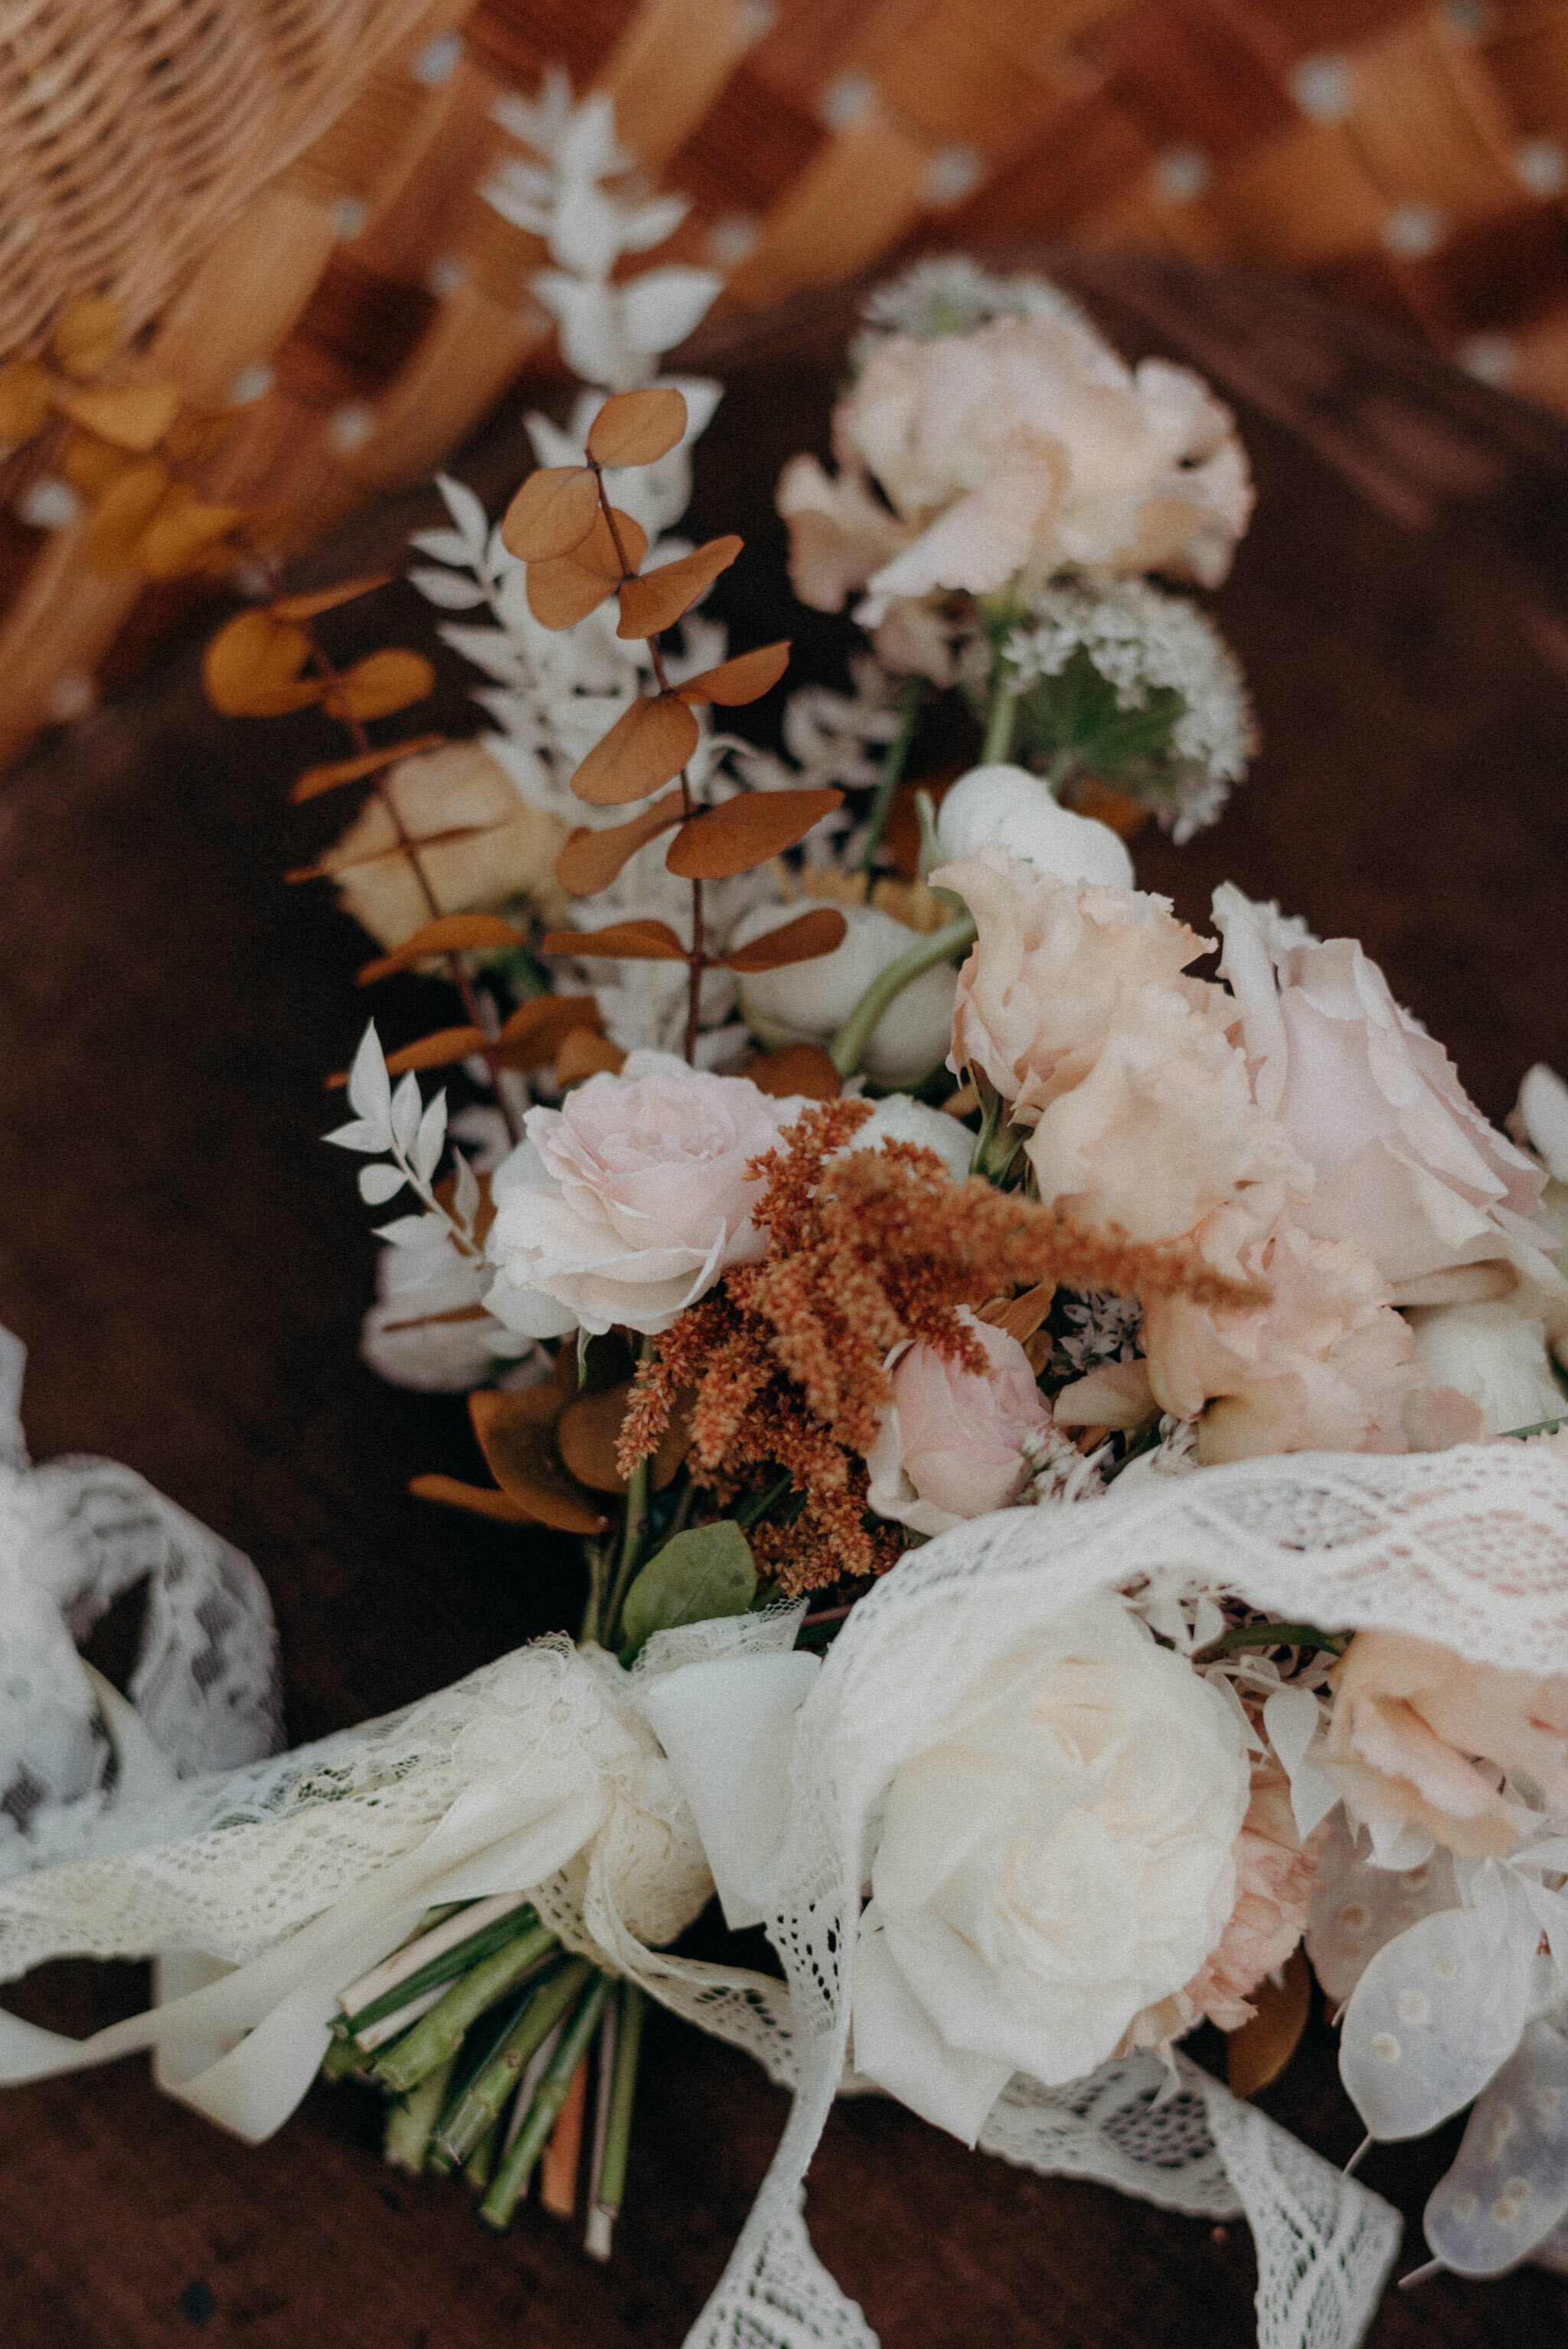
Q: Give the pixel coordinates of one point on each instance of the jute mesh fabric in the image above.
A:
(132, 132)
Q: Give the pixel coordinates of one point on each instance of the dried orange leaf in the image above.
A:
(24, 402)
(583, 1054)
(183, 533)
(589, 1430)
(566, 590)
(796, 1069)
(252, 667)
(316, 779)
(1258, 2053)
(92, 466)
(658, 600)
(87, 335)
(339, 860)
(648, 745)
(381, 683)
(520, 1452)
(450, 933)
(636, 427)
(478, 1499)
(536, 1031)
(801, 940)
(638, 941)
(441, 1050)
(552, 512)
(745, 830)
(133, 416)
(114, 541)
(745, 678)
(312, 600)
(591, 860)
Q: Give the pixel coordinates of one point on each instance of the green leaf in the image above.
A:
(704, 1572)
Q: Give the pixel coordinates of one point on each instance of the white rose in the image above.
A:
(1006, 807)
(897, 1117)
(809, 1002)
(416, 1335)
(622, 1207)
(1057, 1854)
(1495, 1356)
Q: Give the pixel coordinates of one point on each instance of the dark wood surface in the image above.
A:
(188, 1266)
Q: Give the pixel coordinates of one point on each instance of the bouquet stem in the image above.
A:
(609, 2185)
(440, 2034)
(410, 2120)
(483, 2102)
(517, 2165)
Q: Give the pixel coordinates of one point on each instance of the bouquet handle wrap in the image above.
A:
(540, 1773)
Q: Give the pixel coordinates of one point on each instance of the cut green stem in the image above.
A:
(409, 2121)
(998, 742)
(516, 2167)
(633, 2004)
(856, 1033)
(1283, 1635)
(482, 2103)
(893, 766)
(445, 1966)
(440, 2034)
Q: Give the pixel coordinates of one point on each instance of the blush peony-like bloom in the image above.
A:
(1058, 1854)
(950, 1442)
(628, 1203)
(1018, 451)
(1420, 1737)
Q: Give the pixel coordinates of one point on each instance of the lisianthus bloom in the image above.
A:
(627, 1204)
(1018, 451)
(1420, 1736)
(1057, 1853)
(1275, 1879)
(950, 1443)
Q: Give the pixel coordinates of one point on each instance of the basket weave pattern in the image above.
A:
(284, 193)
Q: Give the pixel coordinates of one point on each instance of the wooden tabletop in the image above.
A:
(188, 1266)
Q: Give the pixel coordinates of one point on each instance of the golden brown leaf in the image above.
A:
(449, 934)
(434, 1320)
(92, 466)
(589, 1429)
(441, 1050)
(339, 860)
(536, 1031)
(745, 678)
(637, 941)
(801, 940)
(552, 512)
(591, 860)
(316, 779)
(191, 440)
(566, 590)
(648, 745)
(656, 600)
(745, 830)
(133, 415)
(87, 335)
(633, 427)
(183, 533)
(252, 667)
(314, 600)
(24, 401)
(584, 1054)
(1259, 2052)
(517, 1440)
(478, 1499)
(796, 1069)
(380, 683)
(114, 541)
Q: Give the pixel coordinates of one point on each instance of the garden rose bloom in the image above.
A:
(511, 854)
(1420, 1736)
(624, 1205)
(1404, 1162)
(1057, 1854)
(1018, 450)
(949, 1442)
(1005, 807)
(1494, 1355)
(1275, 1879)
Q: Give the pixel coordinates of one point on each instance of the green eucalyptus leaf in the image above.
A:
(704, 1572)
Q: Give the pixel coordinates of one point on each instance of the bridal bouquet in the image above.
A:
(1067, 1452)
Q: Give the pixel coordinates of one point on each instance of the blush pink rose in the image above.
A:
(1421, 1736)
(950, 1442)
(623, 1206)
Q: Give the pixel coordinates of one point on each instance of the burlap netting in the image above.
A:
(133, 131)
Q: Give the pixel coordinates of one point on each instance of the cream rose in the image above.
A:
(1055, 1855)
(624, 1205)
(1005, 807)
(512, 851)
(949, 1441)
(1420, 1737)
(1021, 450)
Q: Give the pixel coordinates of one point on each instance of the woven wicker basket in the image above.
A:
(282, 193)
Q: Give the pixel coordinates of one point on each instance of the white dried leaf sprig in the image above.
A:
(399, 1128)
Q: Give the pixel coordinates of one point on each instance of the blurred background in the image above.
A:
(285, 198)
